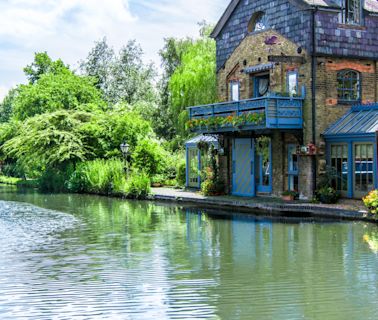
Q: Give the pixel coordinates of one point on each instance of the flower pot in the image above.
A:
(287, 198)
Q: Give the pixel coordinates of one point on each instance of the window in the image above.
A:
(339, 164)
(261, 86)
(258, 22)
(351, 12)
(292, 83)
(348, 86)
(292, 168)
(363, 168)
(234, 90)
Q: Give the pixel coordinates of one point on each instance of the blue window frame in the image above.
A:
(234, 90)
(293, 169)
(348, 86)
(292, 83)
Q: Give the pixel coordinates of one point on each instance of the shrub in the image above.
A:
(54, 180)
(99, 177)
(138, 185)
(149, 157)
(371, 202)
(327, 195)
(181, 173)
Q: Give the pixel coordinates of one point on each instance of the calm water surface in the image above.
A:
(83, 257)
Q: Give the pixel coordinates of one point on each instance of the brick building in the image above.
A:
(298, 90)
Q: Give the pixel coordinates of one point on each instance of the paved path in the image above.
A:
(346, 209)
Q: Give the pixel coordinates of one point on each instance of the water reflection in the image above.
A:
(139, 260)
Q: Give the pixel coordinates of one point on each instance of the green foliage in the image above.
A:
(107, 131)
(212, 183)
(371, 202)
(328, 177)
(43, 64)
(181, 173)
(194, 80)
(9, 180)
(149, 157)
(123, 77)
(54, 180)
(138, 185)
(54, 92)
(6, 106)
(327, 195)
(50, 140)
(106, 177)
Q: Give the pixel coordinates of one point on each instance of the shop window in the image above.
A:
(351, 12)
(258, 22)
(348, 86)
(234, 90)
(292, 168)
(339, 164)
(292, 83)
(363, 168)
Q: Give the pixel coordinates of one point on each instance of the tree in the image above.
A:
(99, 64)
(41, 65)
(189, 78)
(123, 78)
(53, 92)
(50, 140)
(6, 107)
(194, 80)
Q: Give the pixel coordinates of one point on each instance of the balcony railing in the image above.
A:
(270, 112)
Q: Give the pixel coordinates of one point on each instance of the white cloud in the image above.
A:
(67, 29)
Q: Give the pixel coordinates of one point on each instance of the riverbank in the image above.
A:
(346, 209)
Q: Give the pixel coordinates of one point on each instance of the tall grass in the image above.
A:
(99, 177)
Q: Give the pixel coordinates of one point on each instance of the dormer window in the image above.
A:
(258, 22)
(351, 12)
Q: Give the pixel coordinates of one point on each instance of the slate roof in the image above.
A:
(360, 120)
(321, 3)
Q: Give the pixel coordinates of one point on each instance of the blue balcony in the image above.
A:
(269, 112)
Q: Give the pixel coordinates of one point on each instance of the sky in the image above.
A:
(67, 29)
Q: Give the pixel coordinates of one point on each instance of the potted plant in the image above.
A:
(289, 195)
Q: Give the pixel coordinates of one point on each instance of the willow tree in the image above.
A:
(194, 80)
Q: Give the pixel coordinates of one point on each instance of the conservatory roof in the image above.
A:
(213, 139)
(360, 120)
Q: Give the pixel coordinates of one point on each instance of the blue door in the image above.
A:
(243, 182)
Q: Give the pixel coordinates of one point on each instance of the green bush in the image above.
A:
(54, 180)
(138, 185)
(327, 195)
(181, 173)
(149, 157)
(99, 177)
(371, 201)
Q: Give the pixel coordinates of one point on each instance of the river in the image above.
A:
(86, 257)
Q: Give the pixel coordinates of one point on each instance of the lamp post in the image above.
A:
(125, 151)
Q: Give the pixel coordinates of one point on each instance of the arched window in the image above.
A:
(348, 86)
(258, 22)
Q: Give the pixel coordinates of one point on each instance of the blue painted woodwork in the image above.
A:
(243, 182)
(259, 160)
(280, 113)
(192, 144)
(359, 125)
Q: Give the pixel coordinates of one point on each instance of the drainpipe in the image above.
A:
(313, 92)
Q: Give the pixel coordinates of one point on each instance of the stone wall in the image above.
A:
(253, 51)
